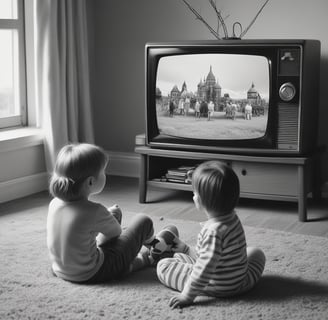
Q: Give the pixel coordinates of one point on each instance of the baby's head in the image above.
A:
(75, 163)
(216, 187)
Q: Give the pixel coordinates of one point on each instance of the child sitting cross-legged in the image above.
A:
(85, 239)
(221, 264)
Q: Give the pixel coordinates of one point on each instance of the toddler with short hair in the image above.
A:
(85, 240)
(221, 265)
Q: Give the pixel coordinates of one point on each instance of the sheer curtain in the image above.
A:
(62, 74)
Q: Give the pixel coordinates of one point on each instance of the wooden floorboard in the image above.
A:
(179, 205)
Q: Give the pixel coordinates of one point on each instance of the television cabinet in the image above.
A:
(261, 177)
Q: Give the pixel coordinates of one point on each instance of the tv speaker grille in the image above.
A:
(288, 119)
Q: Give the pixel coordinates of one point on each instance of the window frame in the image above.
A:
(19, 25)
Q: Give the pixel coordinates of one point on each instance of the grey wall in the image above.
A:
(122, 27)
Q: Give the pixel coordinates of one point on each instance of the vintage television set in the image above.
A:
(279, 79)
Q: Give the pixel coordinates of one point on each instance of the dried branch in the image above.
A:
(220, 23)
(218, 13)
(221, 20)
(198, 16)
(252, 22)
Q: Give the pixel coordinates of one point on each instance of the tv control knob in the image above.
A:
(287, 91)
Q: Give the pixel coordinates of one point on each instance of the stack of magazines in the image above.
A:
(181, 174)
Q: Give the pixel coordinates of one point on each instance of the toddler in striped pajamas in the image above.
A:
(221, 265)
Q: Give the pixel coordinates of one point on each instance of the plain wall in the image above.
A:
(123, 27)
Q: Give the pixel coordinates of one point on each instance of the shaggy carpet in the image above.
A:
(294, 284)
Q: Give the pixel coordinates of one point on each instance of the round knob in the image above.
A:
(244, 172)
(287, 91)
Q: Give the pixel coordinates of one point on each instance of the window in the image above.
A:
(12, 64)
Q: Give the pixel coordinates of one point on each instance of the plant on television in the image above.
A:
(221, 23)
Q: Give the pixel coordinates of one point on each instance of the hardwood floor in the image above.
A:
(179, 205)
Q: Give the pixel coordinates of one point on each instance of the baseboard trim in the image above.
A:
(22, 187)
(126, 164)
(120, 164)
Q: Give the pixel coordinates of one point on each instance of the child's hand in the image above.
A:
(179, 246)
(179, 301)
(116, 211)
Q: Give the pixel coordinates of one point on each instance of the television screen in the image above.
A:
(213, 96)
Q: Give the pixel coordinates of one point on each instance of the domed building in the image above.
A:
(209, 89)
(253, 97)
(255, 100)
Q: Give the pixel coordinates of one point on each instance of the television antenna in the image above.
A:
(221, 22)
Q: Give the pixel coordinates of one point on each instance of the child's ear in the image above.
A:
(197, 201)
(90, 181)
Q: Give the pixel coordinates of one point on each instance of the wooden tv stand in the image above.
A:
(261, 177)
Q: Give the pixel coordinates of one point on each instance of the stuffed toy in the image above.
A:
(164, 242)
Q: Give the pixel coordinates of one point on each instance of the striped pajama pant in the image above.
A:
(174, 272)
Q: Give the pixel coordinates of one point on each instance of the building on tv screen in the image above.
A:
(213, 96)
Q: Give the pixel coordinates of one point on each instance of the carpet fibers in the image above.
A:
(294, 284)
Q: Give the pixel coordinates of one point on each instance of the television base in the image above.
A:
(261, 177)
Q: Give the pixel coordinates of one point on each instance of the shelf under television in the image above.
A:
(169, 185)
(261, 177)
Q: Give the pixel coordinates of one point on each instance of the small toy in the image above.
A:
(164, 241)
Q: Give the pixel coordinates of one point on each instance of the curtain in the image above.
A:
(62, 74)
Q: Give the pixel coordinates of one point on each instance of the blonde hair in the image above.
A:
(74, 164)
(217, 186)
